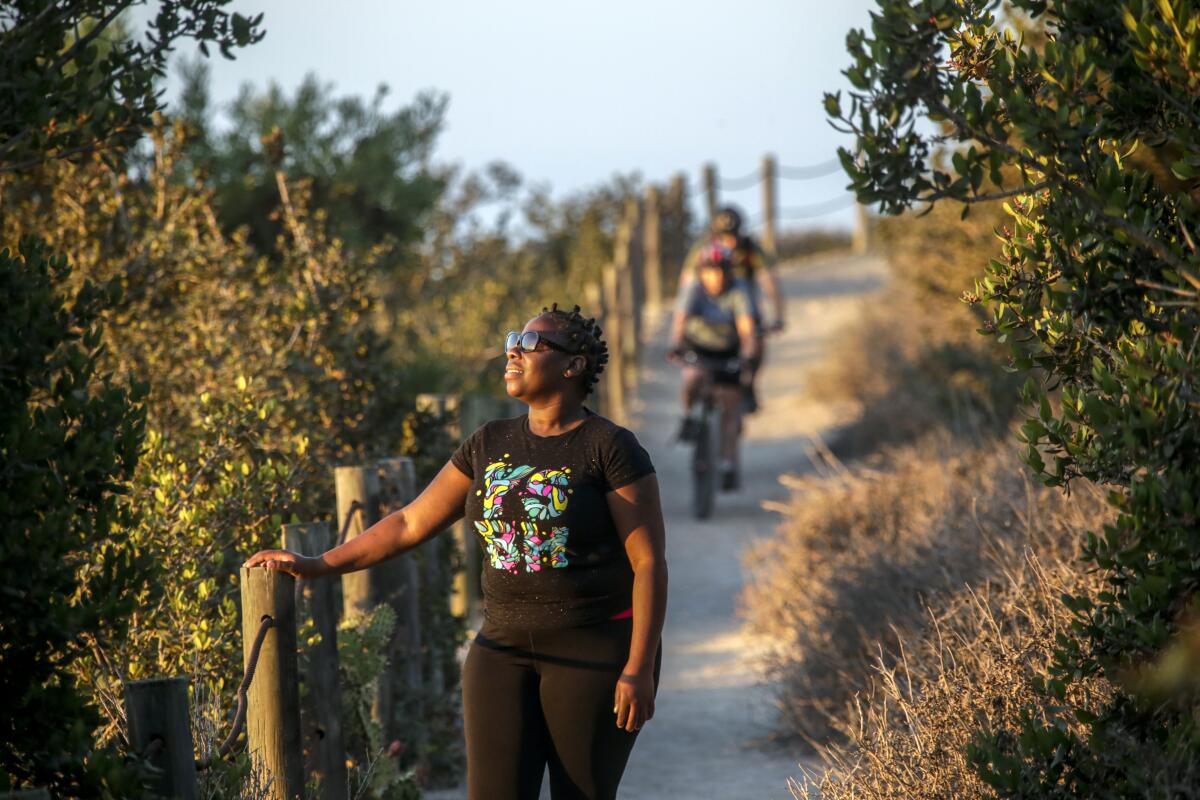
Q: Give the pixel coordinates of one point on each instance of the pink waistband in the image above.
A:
(626, 614)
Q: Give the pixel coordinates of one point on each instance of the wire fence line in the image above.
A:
(822, 169)
(817, 209)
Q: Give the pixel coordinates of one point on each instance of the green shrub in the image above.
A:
(69, 441)
(1088, 128)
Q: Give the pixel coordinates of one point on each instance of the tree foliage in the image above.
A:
(1089, 131)
(70, 436)
(367, 169)
(73, 81)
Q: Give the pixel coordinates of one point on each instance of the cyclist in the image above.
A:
(750, 264)
(714, 319)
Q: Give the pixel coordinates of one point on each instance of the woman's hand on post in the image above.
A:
(293, 564)
(633, 701)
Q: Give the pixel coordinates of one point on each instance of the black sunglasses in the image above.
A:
(528, 342)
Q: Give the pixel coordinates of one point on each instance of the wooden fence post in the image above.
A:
(652, 277)
(710, 192)
(614, 374)
(474, 411)
(770, 211)
(321, 712)
(675, 235)
(273, 702)
(399, 487)
(594, 298)
(861, 241)
(444, 407)
(627, 307)
(157, 711)
(358, 485)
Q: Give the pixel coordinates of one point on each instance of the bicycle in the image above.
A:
(706, 433)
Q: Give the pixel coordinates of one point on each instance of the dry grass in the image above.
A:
(914, 598)
(912, 372)
(970, 668)
(912, 607)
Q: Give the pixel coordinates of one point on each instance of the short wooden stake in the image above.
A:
(157, 710)
(273, 702)
(321, 712)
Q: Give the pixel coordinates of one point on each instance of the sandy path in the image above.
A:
(711, 733)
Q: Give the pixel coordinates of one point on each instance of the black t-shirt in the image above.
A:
(552, 557)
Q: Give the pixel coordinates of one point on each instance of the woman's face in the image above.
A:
(543, 372)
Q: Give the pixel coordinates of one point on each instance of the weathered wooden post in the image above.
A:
(614, 375)
(652, 277)
(675, 244)
(594, 298)
(474, 411)
(770, 211)
(273, 702)
(159, 728)
(321, 712)
(861, 240)
(444, 407)
(398, 482)
(710, 191)
(358, 505)
(627, 298)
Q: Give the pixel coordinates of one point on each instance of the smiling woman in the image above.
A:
(567, 509)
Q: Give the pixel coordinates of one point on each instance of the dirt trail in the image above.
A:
(711, 735)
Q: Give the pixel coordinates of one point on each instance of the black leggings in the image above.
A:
(545, 698)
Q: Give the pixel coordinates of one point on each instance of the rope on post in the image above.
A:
(239, 718)
(738, 184)
(355, 508)
(810, 171)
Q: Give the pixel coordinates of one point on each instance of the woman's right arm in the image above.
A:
(434, 510)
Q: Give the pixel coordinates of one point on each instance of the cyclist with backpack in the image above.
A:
(713, 336)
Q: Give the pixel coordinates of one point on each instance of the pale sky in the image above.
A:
(570, 93)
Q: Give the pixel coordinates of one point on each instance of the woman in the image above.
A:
(564, 671)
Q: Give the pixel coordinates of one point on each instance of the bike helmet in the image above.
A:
(714, 255)
(727, 220)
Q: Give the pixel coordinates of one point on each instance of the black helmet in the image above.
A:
(727, 220)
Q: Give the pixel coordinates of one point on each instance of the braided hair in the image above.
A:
(583, 334)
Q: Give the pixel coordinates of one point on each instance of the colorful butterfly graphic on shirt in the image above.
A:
(500, 538)
(499, 478)
(545, 494)
(550, 551)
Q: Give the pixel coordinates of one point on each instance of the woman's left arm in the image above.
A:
(637, 512)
